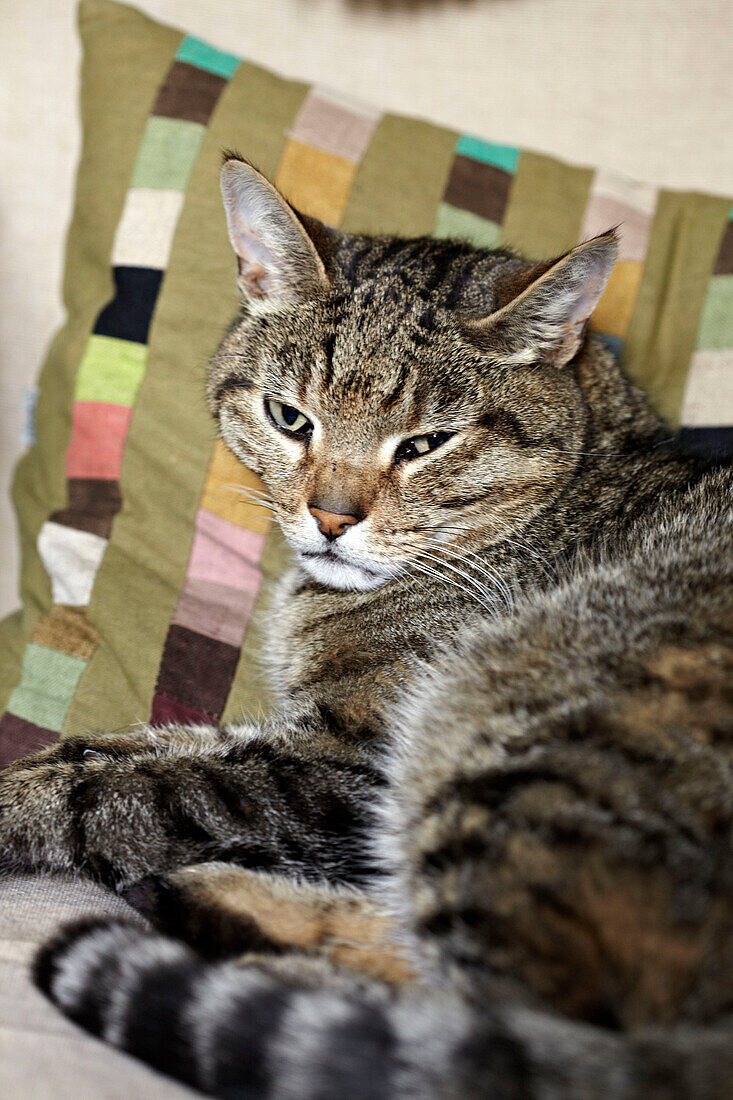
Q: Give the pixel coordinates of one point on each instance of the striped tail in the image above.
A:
(249, 1032)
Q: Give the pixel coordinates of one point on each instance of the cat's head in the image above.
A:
(397, 396)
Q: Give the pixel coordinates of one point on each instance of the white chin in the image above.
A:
(337, 574)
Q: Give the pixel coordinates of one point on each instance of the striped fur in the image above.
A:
(507, 719)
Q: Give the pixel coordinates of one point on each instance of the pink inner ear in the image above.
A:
(587, 301)
(254, 278)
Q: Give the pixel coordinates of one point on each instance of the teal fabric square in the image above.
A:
(199, 53)
(505, 157)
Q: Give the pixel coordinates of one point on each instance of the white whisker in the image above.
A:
(481, 566)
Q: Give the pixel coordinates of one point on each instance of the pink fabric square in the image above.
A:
(225, 554)
(98, 434)
(214, 610)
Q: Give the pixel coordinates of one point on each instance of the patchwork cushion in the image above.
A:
(145, 576)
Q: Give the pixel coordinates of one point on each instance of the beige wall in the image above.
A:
(640, 86)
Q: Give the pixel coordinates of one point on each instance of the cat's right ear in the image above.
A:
(546, 322)
(278, 262)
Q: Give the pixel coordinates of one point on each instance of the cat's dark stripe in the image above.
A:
(234, 384)
(373, 1047)
(506, 423)
(166, 991)
(244, 1069)
(328, 347)
(393, 396)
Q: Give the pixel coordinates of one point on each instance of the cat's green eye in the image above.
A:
(288, 419)
(420, 445)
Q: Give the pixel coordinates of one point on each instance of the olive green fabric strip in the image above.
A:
(664, 325)
(119, 44)
(546, 206)
(401, 179)
(169, 443)
(12, 645)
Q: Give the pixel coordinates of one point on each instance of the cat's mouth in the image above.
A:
(328, 567)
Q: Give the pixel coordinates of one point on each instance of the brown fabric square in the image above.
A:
(196, 670)
(93, 504)
(19, 738)
(479, 188)
(724, 259)
(189, 93)
(67, 630)
(169, 712)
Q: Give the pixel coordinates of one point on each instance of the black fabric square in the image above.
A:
(712, 443)
(128, 315)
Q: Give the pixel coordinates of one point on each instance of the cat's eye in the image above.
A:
(420, 445)
(288, 419)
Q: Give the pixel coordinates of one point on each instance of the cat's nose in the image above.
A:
(331, 524)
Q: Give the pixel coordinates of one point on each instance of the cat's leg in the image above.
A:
(125, 806)
(222, 911)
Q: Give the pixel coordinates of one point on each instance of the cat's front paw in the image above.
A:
(43, 796)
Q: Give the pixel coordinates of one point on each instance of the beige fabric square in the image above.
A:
(146, 229)
(615, 200)
(709, 388)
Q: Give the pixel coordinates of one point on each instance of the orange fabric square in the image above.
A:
(613, 312)
(315, 182)
(226, 476)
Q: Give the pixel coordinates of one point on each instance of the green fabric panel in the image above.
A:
(199, 53)
(501, 156)
(121, 46)
(167, 153)
(664, 325)
(49, 680)
(401, 178)
(451, 222)
(546, 206)
(716, 324)
(250, 696)
(12, 645)
(111, 370)
(167, 456)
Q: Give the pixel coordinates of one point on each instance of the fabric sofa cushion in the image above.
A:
(145, 576)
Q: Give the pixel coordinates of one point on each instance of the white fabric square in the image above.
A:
(147, 227)
(71, 559)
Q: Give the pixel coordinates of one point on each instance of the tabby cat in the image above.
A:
(504, 670)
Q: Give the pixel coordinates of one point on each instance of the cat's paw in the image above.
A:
(178, 905)
(36, 806)
(43, 796)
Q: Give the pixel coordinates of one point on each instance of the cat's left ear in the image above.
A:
(279, 264)
(546, 322)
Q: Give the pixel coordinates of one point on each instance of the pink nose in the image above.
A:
(331, 524)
